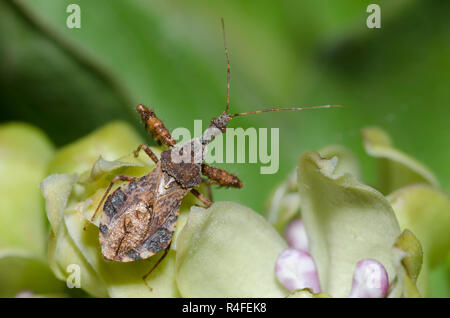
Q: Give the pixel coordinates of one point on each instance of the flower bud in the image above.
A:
(370, 280)
(295, 269)
(295, 235)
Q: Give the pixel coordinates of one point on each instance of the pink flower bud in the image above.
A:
(370, 280)
(295, 235)
(295, 269)
(25, 294)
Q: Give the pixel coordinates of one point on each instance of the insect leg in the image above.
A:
(116, 178)
(144, 278)
(221, 177)
(148, 151)
(155, 126)
(201, 197)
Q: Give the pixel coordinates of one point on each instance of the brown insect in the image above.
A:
(139, 218)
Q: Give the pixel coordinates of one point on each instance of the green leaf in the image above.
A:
(345, 221)
(228, 250)
(315, 52)
(52, 83)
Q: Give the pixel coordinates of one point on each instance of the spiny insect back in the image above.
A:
(139, 218)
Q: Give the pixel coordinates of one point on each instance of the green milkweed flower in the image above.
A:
(346, 222)
(417, 202)
(194, 266)
(24, 154)
(343, 238)
(81, 173)
(227, 250)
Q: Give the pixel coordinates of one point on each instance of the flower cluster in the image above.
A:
(359, 241)
(326, 234)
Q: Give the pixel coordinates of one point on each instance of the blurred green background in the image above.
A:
(169, 55)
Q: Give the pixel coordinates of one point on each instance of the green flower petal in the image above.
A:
(410, 259)
(346, 221)
(21, 141)
(408, 242)
(112, 141)
(397, 289)
(284, 203)
(56, 190)
(228, 250)
(64, 253)
(24, 154)
(102, 166)
(396, 169)
(426, 211)
(347, 162)
(307, 293)
(22, 271)
(62, 250)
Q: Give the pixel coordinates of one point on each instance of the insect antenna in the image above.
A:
(228, 67)
(218, 125)
(227, 109)
(283, 109)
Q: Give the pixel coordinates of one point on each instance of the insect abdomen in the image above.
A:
(161, 239)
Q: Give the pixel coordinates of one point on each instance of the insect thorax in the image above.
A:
(183, 163)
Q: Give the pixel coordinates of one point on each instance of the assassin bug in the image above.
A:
(139, 218)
